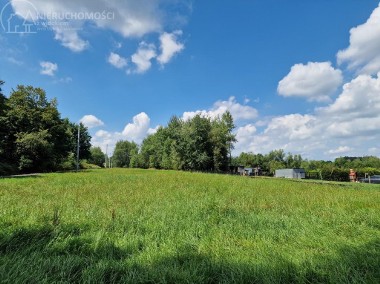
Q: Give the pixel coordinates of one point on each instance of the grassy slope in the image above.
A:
(163, 226)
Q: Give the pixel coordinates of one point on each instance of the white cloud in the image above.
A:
(70, 39)
(64, 80)
(116, 60)
(142, 58)
(91, 121)
(105, 140)
(357, 110)
(292, 126)
(169, 46)
(315, 81)
(349, 125)
(153, 130)
(237, 110)
(362, 55)
(340, 150)
(15, 61)
(293, 132)
(137, 130)
(48, 68)
(244, 137)
(374, 151)
(352, 120)
(130, 18)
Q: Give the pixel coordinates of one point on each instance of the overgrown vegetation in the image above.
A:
(337, 170)
(34, 137)
(196, 144)
(149, 226)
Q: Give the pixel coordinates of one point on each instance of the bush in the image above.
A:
(84, 165)
(331, 173)
(370, 171)
(335, 174)
(69, 163)
(6, 169)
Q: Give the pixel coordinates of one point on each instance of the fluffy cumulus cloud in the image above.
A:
(117, 61)
(129, 18)
(351, 121)
(105, 140)
(91, 121)
(70, 39)
(138, 129)
(244, 137)
(349, 125)
(135, 131)
(340, 150)
(315, 81)
(170, 46)
(237, 110)
(292, 126)
(356, 112)
(362, 55)
(48, 68)
(142, 58)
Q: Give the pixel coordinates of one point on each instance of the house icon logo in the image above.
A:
(22, 20)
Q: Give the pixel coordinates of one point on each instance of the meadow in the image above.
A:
(150, 226)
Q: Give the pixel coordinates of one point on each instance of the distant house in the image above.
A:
(236, 170)
(245, 171)
(290, 173)
(248, 172)
(240, 170)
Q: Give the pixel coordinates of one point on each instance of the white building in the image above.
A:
(290, 173)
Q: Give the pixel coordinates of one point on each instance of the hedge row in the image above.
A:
(339, 174)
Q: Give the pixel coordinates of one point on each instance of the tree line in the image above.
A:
(34, 137)
(197, 144)
(336, 170)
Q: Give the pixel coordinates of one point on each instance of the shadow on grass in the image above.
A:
(63, 254)
(21, 176)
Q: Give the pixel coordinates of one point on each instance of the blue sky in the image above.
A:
(297, 75)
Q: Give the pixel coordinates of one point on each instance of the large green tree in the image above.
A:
(222, 140)
(5, 167)
(199, 143)
(37, 138)
(35, 150)
(97, 156)
(84, 140)
(124, 153)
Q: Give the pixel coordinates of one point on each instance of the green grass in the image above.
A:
(148, 226)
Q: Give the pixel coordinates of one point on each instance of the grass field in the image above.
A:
(148, 226)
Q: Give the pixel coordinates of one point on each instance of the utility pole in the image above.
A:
(78, 145)
(106, 160)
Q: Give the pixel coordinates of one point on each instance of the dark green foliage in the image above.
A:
(269, 163)
(340, 168)
(124, 155)
(84, 140)
(33, 136)
(5, 168)
(34, 151)
(97, 157)
(198, 144)
(326, 170)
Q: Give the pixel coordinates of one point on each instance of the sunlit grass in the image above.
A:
(147, 226)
